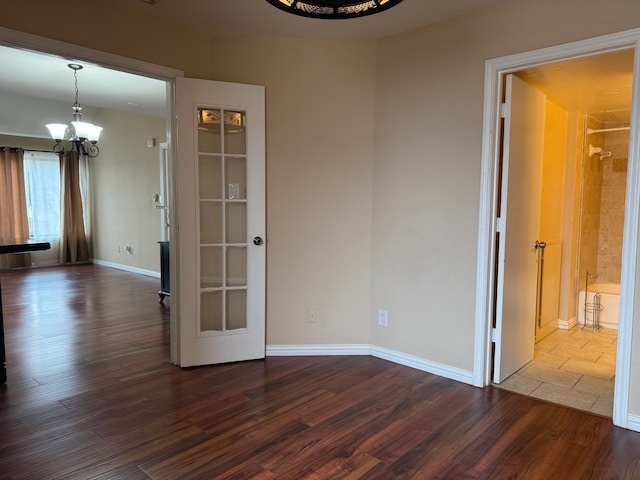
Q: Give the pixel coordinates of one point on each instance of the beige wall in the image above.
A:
(125, 176)
(429, 105)
(427, 163)
(373, 158)
(553, 167)
(551, 214)
(320, 116)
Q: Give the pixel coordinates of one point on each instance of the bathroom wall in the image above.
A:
(551, 214)
(553, 167)
(614, 179)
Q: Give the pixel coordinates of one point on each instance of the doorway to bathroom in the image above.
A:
(580, 147)
(585, 89)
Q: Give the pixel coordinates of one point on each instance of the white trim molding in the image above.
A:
(22, 40)
(633, 422)
(435, 368)
(316, 350)
(567, 324)
(495, 70)
(446, 371)
(127, 268)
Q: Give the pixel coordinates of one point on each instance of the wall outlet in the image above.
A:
(383, 317)
(312, 315)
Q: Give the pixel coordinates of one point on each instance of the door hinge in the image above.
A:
(499, 224)
(503, 110)
(493, 335)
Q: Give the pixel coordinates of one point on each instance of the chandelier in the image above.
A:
(333, 8)
(83, 136)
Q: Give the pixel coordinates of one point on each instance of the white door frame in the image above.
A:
(43, 45)
(495, 69)
(165, 198)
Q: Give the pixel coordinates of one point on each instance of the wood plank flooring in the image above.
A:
(91, 395)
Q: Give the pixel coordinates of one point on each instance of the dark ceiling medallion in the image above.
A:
(333, 9)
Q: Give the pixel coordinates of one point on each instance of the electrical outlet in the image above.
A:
(383, 317)
(312, 315)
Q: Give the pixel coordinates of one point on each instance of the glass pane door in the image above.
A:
(222, 185)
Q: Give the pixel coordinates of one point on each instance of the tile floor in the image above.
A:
(573, 367)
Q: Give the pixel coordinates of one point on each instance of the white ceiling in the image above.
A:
(37, 89)
(599, 85)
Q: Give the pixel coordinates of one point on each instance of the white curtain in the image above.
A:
(42, 186)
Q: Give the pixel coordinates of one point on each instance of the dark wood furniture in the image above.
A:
(165, 276)
(8, 248)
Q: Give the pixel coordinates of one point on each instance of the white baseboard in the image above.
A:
(633, 422)
(567, 324)
(400, 358)
(446, 371)
(316, 350)
(128, 268)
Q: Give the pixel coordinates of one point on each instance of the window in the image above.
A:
(42, 185)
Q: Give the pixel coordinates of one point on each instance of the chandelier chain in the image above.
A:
(82, 135)
(76, 105)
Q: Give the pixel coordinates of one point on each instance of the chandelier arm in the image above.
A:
(92, 150)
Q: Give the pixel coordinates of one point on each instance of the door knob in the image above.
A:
(540, 244)
(258, 241)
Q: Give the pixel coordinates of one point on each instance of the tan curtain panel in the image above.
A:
(14, 226)
(73, 241)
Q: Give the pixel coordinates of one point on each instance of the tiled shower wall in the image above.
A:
(614, 179)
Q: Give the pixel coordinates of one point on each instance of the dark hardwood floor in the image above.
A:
(92, 395)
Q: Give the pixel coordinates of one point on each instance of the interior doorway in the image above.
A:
(578, 229)
(488, 289)
(46, 48)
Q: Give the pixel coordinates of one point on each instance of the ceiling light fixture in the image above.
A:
(82, 135)
(333, 9)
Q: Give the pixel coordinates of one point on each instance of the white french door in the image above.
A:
(220, 222)
(523, 142)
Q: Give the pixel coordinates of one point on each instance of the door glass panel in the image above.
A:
(210, 267)
(222, 183)
(209, 131)
(236, 309)
(236, 178)
(211, 311)
(236, 222)
(210, 222)
(236, 266)
(235, 133)
(210, 177)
